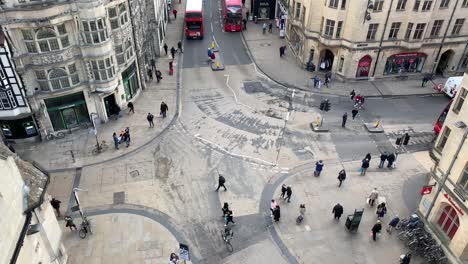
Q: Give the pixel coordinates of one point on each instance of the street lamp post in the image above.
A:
(441, 184)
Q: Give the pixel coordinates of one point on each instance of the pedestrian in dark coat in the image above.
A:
(424, 81)
(345, 117)
(173, 51)
(174, 11)
(381, 210)
(354, 113)
(283, 190)
(171, 68)
(393, 223)
(150, 118)
(158, 75)
(270, 28)
(288, 194)
(364, 166)
(383, 158)
(225, 209)
(229, 218)
(56, 205)
(316, 81)
(127, 137)
(337, 210)
(69, 222)
(368, 157)
(341, 176)
(376, 229)
(221, 181)
(282, 49)
(277, 213)
(164, 108)
(179, 47)
(318, 168)
(352, 94)
(131, 107)
(150, 74)
(165, 48)
(116, 140)
(391, 158)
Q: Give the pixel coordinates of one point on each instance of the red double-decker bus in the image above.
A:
(194, 19)
(232, 15)
(440, 121)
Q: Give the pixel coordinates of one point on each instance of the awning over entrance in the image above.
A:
(107, 89)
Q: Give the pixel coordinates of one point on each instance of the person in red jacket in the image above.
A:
(175, 13)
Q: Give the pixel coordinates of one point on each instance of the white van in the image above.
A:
(452, 86)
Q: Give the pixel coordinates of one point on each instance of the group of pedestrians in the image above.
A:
(286, 193)
(318, 82)
(123, 137)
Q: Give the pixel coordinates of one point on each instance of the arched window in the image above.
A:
(449, 221)
(57, 78)
(46, 39)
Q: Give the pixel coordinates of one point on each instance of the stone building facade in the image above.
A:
(79, 60)
(448, 218)
(378, 38)
(30, 231)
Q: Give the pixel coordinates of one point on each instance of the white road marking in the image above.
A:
(211, 24)
(227, 84)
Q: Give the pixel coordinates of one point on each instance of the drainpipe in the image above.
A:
(444, 37)
(382, 38)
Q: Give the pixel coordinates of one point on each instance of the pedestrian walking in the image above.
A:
(364, 166)
(405, 259)
(56, 205)
(341, 176)
(318, 168)
(221, 182)
(393, 223)
(376, 229)
(244, 23)
(354, 113)
(150, 74)
(171, 68)
(327, 78)
(319, 85)
(344, 118)
(165, 48)
(247, 14)
(158, 75)
(373, 196)
(352, 94)
(116, 140)
(173, 259)
(368, 157)
(150, 118)
(381, 210)
(316, 81)
(283, 190)
(391, 159)
(174, 11)
(229, 218)
(127, 137)
(424, 81)
(69, 222)
(131, 107)
(282, 49)
(264, 28)
(288, 194)
(164, 108)
(383, 158)
(225, 209)
(270, 28)
(173, 51)
(179, 46)
(273, 205)
(277, 213)
(153, 64)
(337, 211)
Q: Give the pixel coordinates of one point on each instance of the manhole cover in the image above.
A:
(119, 197)
(265, 44)
(134, 173)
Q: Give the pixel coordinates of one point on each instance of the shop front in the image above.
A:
(130, 81)
(411, 62)
(363, 67)
(19, 128)
(67, 111)
(264, 9)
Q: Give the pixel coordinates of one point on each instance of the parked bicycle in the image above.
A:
(85, 228)
(101, 147)
(227, 235)
(54, 134)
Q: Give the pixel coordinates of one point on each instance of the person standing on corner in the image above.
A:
(116, 140)
(343, 122)
(318, 168)
(373, 196)
(341, 176)
(391, 159)
(288, 194)
(270, 28)
(150, 118)
(131, 107)
(277, 213)
(337, 211)
(56, 205)
(264, 28)
(383, 158)
(221, 182)
(165, 48)
(173, 51)
(352, 94)
(283, 190)
(164, 108)
(179, 46)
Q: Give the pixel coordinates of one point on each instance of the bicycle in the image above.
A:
(85, 228)
(99, 148)
(54, 134)
(227, 236)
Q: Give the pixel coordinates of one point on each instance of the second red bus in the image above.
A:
(194, 19)
(232, 15)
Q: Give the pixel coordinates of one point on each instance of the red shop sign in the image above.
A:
(426, 190)
(412, 54)
(459, 210)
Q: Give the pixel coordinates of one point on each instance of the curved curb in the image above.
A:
(151, 213)
(267, 194)
(286, 85)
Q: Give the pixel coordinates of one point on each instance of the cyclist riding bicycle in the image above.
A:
(228, 234)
